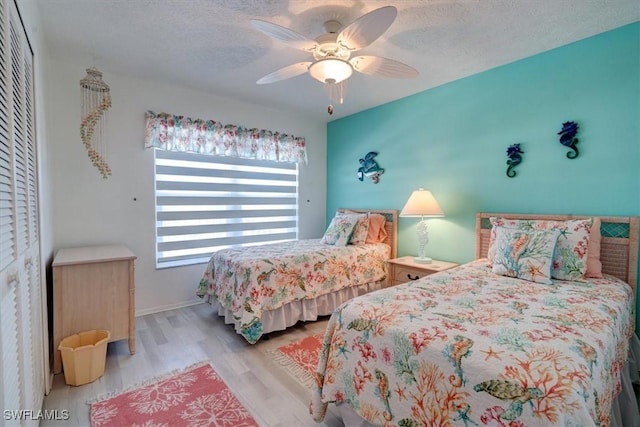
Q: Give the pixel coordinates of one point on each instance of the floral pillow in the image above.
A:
(525, 254)
(361, 230)
(339, 231)
(376, 233)
(570, 256)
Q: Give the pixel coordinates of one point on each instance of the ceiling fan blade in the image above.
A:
(378, 66)
(366, 29)
(285, 35)
(285, 73)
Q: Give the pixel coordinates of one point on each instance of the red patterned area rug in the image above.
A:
(196, 396)
(300, 358)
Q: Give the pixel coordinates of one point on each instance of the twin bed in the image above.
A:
(474, 345)
(470, 346)
(268, 288)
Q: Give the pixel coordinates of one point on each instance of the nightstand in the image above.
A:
(405, 269)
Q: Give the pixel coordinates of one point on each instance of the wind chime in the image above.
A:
(96, 100)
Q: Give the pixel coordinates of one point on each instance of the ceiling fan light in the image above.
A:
(331, 70)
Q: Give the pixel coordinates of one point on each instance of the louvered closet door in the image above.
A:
(22, 338)
(34, 383)
(8, 245)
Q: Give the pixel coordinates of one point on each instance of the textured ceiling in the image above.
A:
(211, 46)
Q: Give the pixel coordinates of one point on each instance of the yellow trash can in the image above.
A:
(83, 356)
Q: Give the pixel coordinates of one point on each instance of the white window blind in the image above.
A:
(205, 203)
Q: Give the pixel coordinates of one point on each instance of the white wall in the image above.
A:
(90, 210)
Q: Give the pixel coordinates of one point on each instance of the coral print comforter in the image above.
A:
(249, 281)
(467, 347)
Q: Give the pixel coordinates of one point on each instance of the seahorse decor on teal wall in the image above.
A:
(515, 158)
(568, 138)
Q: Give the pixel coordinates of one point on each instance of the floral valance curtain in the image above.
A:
(177, 133)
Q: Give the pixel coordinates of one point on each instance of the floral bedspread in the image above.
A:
(248, 281)
(467, 347)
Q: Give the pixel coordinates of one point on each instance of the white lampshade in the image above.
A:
(422, 204)
(331, 70)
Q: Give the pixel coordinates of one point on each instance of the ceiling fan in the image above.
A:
(333, 64)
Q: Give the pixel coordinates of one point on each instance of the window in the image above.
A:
(205, 203)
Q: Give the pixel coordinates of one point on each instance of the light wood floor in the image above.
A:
(175, 339)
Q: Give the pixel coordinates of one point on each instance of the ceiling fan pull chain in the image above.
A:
(336, 91)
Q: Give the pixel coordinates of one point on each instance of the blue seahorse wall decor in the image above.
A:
(370, 168)
(568, 138)
(515, 158)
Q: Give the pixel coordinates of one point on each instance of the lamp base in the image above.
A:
(422, 260)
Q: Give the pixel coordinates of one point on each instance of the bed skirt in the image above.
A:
(301, 310)
(625, 412)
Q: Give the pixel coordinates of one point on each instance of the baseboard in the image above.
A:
(153, 310)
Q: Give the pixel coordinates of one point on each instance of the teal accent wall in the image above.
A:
(452, 140)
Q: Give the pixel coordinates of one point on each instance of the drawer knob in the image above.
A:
(412, 278)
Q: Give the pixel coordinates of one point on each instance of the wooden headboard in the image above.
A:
(391, 225)
(618, 250)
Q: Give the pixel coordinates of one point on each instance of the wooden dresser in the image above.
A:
(93, 288)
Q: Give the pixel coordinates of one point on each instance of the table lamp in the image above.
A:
(422, 204)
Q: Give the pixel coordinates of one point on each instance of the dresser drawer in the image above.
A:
(404, 274)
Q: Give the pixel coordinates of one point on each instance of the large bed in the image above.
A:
(471, 346)
(268, 288)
